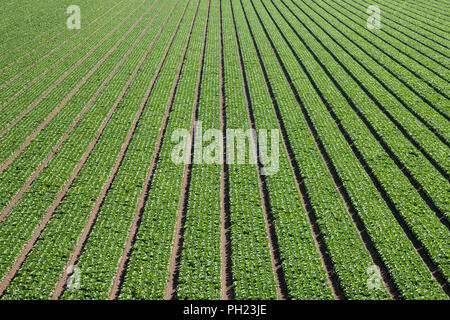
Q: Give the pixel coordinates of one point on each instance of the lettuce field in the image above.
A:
(224, 149)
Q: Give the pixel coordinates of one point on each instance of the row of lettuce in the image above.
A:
(72, 213)
(414, 72)
(32, 107)
(336, 102)
(22, 167)
(331, 114)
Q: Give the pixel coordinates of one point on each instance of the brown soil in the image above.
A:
(227, 289)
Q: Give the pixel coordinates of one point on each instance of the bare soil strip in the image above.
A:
(282, 291)
(60, 286)
(49, 157)
(48, 215)
(50, 89)
(67, 98)
(177, 247)
(118, 280)
(56, 63)
(227, 289)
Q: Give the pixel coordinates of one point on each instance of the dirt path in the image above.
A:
(175, 257)
(312, 219)
(436, 164)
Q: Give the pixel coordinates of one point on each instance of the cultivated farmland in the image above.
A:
(225, 149)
